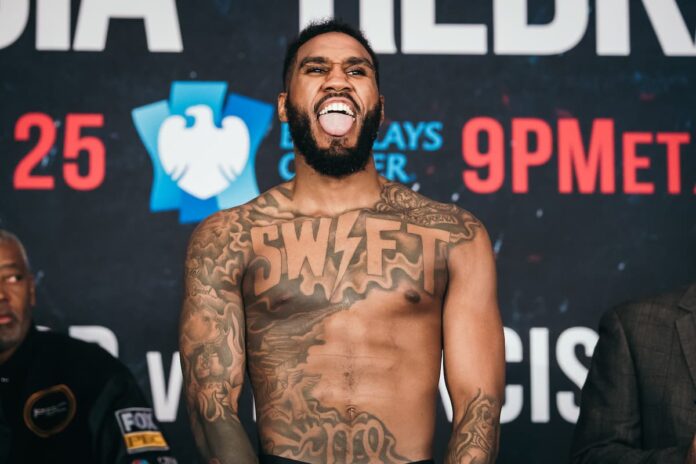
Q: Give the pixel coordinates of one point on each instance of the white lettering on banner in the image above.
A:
(165, 399)
(572, 368)
(613, 32)
(514, 36)
(377, 21)
(160, 18)
(539, 373)
(669, 25)
(53, 24)
(14, 15)
(422, 35)
(315, 10)
(514, 394)
(96, 334)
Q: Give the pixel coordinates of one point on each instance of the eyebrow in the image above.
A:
(10, 265)
(350, 61)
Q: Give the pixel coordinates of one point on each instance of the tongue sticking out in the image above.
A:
(336, 124)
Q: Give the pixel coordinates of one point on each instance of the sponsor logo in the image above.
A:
(48, 412)
(203, 144)
(397, 144)
(139, 430)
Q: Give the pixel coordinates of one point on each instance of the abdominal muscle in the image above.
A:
(366, 392)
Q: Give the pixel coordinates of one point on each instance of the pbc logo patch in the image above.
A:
(140, 431)
(48, 412)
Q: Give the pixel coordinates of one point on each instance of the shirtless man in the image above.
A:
(339, 291)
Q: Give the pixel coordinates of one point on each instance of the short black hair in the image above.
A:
(324, 27)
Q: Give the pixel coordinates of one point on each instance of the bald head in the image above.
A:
(7, 236)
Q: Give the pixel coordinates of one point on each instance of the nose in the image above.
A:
(336, 80)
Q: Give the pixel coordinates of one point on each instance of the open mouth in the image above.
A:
(336, 118)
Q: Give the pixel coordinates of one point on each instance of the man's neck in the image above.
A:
(315, 194)
(7, 354)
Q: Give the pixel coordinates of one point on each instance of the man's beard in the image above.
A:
(11, 335)
(337, 160)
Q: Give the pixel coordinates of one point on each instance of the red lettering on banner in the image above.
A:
(522, 157)
(493, 158)
(23, 178)
(673, 142)
(598, 160)
(632, 162)
(585, 166)
(75, 143)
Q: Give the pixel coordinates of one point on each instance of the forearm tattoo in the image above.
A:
(475, 439)
(212, 341)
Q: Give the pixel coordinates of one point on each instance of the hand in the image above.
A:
(691, 455)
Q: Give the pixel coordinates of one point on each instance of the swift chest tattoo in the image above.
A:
(403, 232)
(327, 247)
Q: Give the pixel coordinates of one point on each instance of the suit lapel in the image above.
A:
(686, 327)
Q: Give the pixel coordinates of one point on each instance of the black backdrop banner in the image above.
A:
(567, 126)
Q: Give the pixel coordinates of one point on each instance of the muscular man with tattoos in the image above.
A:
(339, 291)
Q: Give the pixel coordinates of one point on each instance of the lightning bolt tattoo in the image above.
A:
(345, 244)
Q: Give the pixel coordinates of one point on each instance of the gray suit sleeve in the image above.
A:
(609, 428)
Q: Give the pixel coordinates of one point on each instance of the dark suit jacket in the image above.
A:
(639, 402)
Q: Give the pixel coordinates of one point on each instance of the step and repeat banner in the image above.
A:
(567, 126)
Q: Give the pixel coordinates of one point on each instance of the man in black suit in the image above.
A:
(63, 400)
(639, 401)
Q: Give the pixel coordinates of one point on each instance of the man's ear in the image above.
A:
(381, 116)
(282, 114)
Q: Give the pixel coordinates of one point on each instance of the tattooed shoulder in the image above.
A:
(219, 245)
(223, 229)
(224, 237)
(418, 209)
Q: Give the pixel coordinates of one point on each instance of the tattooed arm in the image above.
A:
(473, 351)
(212, 341)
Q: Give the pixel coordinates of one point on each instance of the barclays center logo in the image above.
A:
(203, 144)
